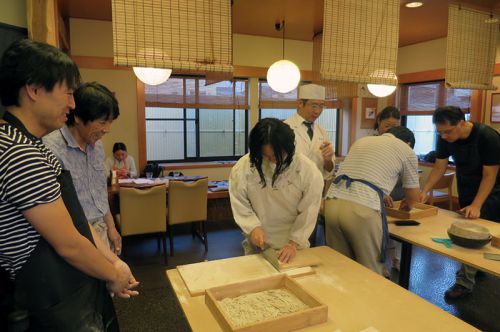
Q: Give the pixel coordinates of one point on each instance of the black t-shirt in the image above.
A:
(481, 148)
(488, 145)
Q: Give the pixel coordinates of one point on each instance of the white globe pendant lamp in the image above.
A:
(152, 76)
(283, 76)
(382, 90)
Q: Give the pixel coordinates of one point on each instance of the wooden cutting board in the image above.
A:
(200, 276)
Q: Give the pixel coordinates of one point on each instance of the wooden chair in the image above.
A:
(187, 203)
(143, 211)
(437, 196)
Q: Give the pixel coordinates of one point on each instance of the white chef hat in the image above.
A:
(312, 91)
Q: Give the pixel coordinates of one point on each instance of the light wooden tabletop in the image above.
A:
(357, 299)
(436, 226)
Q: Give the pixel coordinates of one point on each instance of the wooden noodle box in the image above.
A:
(420, 210)
(317, 312)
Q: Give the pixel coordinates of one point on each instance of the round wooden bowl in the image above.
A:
(468, 243)
(469, 230)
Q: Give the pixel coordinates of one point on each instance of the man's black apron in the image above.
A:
(380, 193)
(469, 170)
(52, 295)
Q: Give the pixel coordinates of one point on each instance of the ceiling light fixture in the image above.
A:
(414, 4)
(382, 90)
(283, 76)
(152, 76)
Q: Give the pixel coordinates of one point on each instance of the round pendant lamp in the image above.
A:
(152, 76)
(382, 90)
(283, 76)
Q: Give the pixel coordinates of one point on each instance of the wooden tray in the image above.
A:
(419, 211)
(317, 312)
(200, 276)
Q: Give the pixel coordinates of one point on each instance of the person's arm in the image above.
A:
(437, 172)
(328, 156)
(308, 207)
(243, 213)
(132, 170)
(117, 263)
(54, 224)
(113, 235)
(487, 183)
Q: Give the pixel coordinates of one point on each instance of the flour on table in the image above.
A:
(255, 307)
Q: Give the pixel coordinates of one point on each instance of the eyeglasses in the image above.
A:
(316, 106)
(447, 131)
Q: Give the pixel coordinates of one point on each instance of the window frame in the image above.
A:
(185, 120)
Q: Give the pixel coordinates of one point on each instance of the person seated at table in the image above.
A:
(356, 224)
(121, 162)
(275, 192)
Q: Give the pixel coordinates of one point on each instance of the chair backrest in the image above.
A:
(187, 201)
(445, 182)
(143, 211)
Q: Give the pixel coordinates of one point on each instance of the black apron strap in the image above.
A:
(380, 193)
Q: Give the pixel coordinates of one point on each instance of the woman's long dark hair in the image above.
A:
(281, 138)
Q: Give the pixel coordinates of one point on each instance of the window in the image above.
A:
(283, 105)
(188, 121)
(417, 104)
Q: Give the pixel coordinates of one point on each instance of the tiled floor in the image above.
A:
(156, 308)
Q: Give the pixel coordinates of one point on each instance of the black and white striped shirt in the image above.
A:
(28, 177)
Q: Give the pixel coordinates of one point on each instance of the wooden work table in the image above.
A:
(437, 226)
(357, 299)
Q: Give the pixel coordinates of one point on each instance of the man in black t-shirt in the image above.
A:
(475, 148)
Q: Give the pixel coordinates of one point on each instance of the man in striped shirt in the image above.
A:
(46, 246)
(355, 219)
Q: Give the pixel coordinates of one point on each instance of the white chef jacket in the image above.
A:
(308, 147)
(286, 211)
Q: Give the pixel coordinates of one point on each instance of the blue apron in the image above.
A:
(380, 193)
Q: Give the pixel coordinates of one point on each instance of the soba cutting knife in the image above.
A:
(270, 255)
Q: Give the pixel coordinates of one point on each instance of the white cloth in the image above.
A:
(286, 211)
(129, 163)
(306, 146)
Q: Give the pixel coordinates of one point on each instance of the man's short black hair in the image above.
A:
(29, 62)
(93, 101)
(404, 134)
(448, 114)
(281, 138)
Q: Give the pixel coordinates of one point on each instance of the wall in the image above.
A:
(13, 12)
(487, 100)
(422, 56)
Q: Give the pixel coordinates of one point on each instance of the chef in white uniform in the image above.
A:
(310, 138)
(275, 192)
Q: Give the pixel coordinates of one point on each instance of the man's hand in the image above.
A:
(423, 197)
(326, 150)
(287, 253)
(115, 239)
(388, 201)
(258, 237)
(124, 282)
(471, 211)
